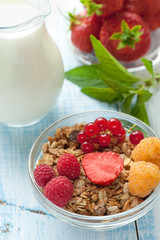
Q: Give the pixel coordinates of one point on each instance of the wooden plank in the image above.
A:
(149, 225)
(16, 224)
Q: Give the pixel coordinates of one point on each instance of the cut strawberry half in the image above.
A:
(102, 168)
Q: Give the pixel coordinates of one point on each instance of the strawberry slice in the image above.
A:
(102, 168)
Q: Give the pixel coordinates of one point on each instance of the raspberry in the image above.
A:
(43, 174)
(147, 150)
(144, 177)
(68, 165)
(59, 190)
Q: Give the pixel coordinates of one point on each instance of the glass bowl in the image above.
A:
(90, 222)
(137, 67)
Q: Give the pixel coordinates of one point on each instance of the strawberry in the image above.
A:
(109, 6)
(102, 168)
(135, 6)
(125, 36)
(152, 21)
(152, 7)
(82, 26)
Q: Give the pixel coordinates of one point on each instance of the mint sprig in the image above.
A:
(111, 82)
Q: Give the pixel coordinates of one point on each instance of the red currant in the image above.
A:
(135, 137)
(101, 122)
(87, 147)
(104, 139)
(121, 134)
(91, 129)
(114, 125)
(93, 140)
(81, 137)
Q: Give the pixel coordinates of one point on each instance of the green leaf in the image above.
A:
(136, 28)
(102, 94)
(111, 66)
(112, 83)
(139, 111)
(85, 76)
(149, 66)
(143, 96)
(126, 103)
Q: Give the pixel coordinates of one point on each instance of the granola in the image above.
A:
(88, 198)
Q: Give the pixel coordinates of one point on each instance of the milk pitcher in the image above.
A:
(31, 67)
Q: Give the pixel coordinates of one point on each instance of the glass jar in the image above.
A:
(32, 72)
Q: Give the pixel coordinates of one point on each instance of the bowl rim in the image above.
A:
(52, 206)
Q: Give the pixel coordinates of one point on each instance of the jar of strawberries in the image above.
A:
(128, 29)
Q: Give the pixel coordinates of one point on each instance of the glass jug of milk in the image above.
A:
(31, 68)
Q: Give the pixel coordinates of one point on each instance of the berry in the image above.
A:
(147, 150)
(91, 129)
(68, 165)
(109, 6)
(101, 123)
(120, 36)
(81, 137)
(152, 21)
(135, 6)
(144, 177)
(87, 147)
(59, 191)
(152, 7)
(114, 125)
(135, 137)
(104, 139)
(121, 134)
(102, 168)
(43, 174)
(82, 26)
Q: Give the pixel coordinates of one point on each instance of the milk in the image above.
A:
(31, 68)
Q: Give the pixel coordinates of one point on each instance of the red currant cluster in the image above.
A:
(97, 132)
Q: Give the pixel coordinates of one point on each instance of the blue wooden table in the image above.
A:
(21, 216)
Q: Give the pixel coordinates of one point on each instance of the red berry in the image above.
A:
(43, 174)
(104, 139)
(113, 25)
(81, 137)
(109, 7)
(68, 165)
(102, 168)
(101, 123)
(91, 129)
(135, 137)
(121, 134)
(87, 147)
(82, 28)
(114, 125)
(59, 190)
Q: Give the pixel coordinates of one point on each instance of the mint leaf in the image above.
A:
(85, 76)
(143, 96)
(102, 94)
(149, 66)
(139, 111)
(114, 84)
(111, 66)
(126, 103)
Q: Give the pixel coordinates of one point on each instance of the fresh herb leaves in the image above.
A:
(109, 81)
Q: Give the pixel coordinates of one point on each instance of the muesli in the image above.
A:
(101, 178)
